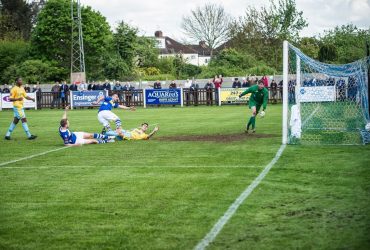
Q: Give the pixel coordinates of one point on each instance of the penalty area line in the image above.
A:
(31, 156)
(234, 207)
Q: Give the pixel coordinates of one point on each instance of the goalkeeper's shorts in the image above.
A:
(252, 103)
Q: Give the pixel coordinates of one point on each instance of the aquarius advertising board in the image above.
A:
(85, 98)
(163, 96)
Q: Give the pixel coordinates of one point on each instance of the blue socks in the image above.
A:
(25, 128)
(11, 128)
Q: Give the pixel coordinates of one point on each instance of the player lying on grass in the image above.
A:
(259, 97)
(79, 138)
(135, 134)
(105, 114)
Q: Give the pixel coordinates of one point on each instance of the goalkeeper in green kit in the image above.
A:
(259, 97)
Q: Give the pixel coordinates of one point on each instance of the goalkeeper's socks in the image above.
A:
(253, 118)
(100, 136)
(249, 123)
(11, 128)
(25, 128)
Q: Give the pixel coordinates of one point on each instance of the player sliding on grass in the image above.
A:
(105, 115)
(259, 97)
(78, 138)
(135, 134)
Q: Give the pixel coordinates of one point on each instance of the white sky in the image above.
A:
(166, 15)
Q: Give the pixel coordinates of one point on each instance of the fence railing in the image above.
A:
(136, 98)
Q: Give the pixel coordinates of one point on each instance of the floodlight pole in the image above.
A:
(77, 45)
(285, 92)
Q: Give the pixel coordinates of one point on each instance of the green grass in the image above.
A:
(160, 194)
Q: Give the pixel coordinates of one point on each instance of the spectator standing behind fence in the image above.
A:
(128, 88)
(280, 85)
(6, 89)
(194, 92)
(91, 86)
(217, 81)
(245, 83)
(157, 85)
(27, 88)
(64, 93)
(172, 85)
(37, 89)
(265, 81)
(107, 86)
(55, 95)
(73, 87)
(82, 86)
(273, 87)
(209, 92)
(236, 83)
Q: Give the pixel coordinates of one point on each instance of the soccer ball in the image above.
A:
(367, 126)
(262, 114)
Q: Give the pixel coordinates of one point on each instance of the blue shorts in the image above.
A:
(19, 113)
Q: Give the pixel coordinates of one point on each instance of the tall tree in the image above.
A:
(260, 32)
(349, 42)
(51, 38)
(209, 23)
(15, 19)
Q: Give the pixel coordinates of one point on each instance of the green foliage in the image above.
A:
(310, 46)
(349, 42)
(33, 71)
(125, 40)
(261, 70)
(51, 38)
(11, 52)
(233, 58)
(165, 64)
(146, 52)
(161, 77)
(327, 53)
(16, 19)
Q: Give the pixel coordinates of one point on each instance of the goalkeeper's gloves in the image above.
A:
(262, 114)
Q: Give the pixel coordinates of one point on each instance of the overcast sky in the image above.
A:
(166, 15)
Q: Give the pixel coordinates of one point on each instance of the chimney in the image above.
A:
(158, 33)
(202, 44)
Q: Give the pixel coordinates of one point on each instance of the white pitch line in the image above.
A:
(232, 209)
(115, 167)
(30, 157)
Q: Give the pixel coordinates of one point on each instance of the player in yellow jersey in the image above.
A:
(137, 133)
(17, 95)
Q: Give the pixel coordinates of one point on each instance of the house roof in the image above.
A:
(174, 47)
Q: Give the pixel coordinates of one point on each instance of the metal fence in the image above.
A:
(135, 97)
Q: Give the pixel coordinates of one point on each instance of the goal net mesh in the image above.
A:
(327, 104)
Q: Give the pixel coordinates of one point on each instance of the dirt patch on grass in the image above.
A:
(216, 137)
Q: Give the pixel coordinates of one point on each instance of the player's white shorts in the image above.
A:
(80, 138)
(106, 116)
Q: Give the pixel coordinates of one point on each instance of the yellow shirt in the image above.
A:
(17, 92)
(137, 134)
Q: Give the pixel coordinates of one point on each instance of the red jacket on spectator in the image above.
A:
(265, 81)
(217, 82)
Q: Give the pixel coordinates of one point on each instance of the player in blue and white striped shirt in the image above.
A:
(79, 138)
(105, 114)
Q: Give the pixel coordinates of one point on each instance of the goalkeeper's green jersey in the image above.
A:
(259, 96)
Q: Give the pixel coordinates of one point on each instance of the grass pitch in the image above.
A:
(168, 194)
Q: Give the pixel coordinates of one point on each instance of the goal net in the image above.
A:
(324, 103)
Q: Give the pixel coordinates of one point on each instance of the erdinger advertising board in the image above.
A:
(229, 95)
(5, 102)
(163, 96)
(85, 98)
